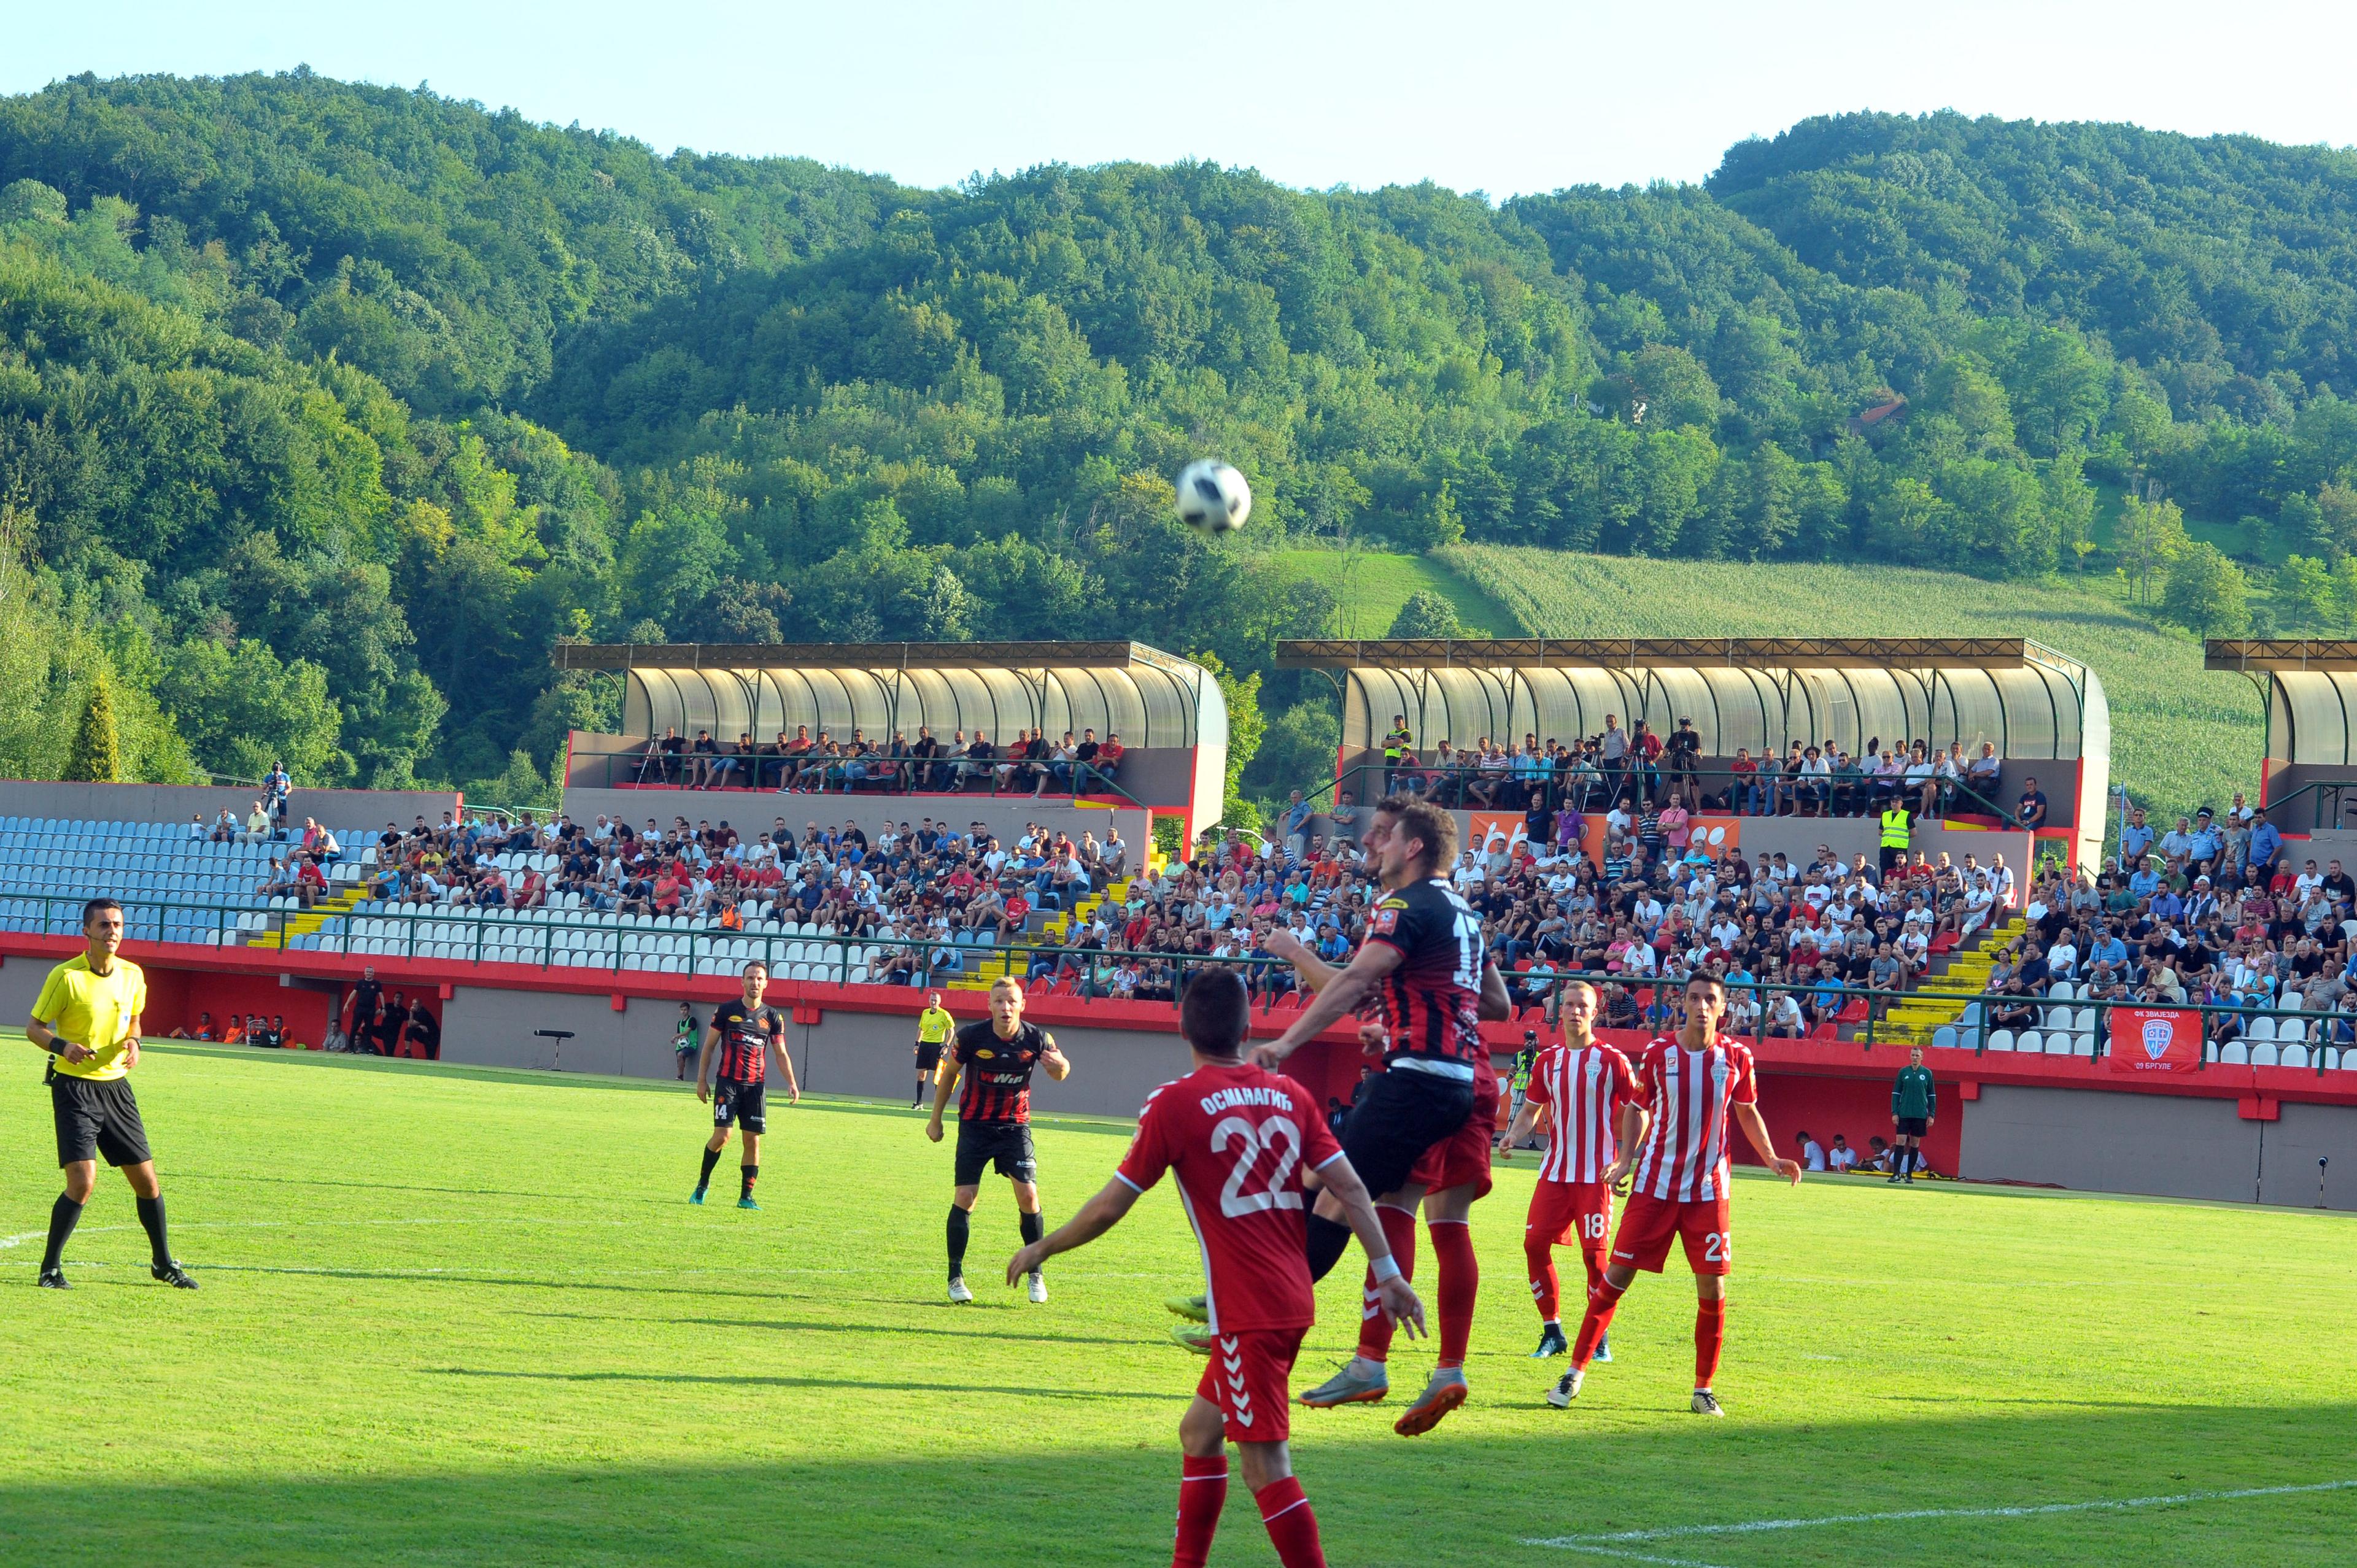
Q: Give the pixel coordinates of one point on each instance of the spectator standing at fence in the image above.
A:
(1894, 835)
(1914, 1102)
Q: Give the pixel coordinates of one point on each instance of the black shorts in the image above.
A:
(1004, 1144)
(1400, 1113)
(97, 1116)
(747, 1104)
(928, 1055)
(1914, 1126)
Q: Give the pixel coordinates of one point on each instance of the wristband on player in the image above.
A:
(1386, 1268)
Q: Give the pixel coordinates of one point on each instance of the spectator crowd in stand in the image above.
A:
(804, 764)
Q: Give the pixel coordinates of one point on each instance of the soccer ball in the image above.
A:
(1212, 497)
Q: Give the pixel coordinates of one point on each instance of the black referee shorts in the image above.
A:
(747, 1104)
(1004, 1144)
(97, 1116)
(928, 1055)
(1914, 1126)
(1400, 1113)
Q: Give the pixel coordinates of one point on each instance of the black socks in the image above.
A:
(151, 1215)
(1328, 1238)
(711, 1158)
(750, 1174)
(64, 1215)
(958, 1222)
(1034, 1226)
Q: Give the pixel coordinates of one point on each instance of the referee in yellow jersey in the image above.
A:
(87, 1018)
(934, 1027)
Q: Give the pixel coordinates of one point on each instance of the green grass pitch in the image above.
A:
(457, 1316)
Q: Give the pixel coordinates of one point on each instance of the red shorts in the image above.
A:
(1648, 1223)
(1250, 1379)
(1572, 1213)
(1463, 1157)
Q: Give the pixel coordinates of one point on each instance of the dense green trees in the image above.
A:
(332, 408)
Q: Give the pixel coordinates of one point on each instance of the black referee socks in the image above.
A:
(151, 1215)
(958, 1221)
(1034, 1226)
(64, 1215)
(711, 1158)
(1328, 1238)
(752, 1174)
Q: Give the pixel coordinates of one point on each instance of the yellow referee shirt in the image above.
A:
(933, 1026)
(92, 1009)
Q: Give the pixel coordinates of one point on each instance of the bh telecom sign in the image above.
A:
(2155, 1039)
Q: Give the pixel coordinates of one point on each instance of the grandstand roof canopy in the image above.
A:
(1757, 693)
(2309, 685)
(1151, 698)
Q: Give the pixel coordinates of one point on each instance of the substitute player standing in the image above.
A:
(683, 1037)
(1577, 1091)
(1244, 1143)
(994, 1057)
(743, 1034)
(88, 1018)
(933, 1027)
(1420, 1132)
(1673, 1136)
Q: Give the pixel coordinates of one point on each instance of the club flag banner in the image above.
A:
(2155, 1039)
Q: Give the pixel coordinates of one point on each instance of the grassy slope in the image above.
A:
(1374, 586)
(2180, 736)
(466, 1318)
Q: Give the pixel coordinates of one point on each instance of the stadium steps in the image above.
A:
(1942, 1000)
(988, 970)
(311, 921)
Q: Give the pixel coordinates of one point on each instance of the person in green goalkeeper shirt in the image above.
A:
(1914, 1101)
(685, 1044)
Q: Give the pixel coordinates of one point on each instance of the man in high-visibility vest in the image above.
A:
(1894, 834)
(1396, 746)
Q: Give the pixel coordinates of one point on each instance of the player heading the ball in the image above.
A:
(1246, 1145)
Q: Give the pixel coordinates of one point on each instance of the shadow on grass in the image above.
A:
(975, 1485)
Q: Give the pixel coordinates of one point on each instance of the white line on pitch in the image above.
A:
(1591, 1542)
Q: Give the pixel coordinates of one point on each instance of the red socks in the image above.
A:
(1292, 1526)
(1538, 1251)
(1202, 1489)
(1710, 1333)
(1374, 1323)
(1601, 1302)
(1460, 1282)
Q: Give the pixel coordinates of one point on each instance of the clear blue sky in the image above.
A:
(1493, 95)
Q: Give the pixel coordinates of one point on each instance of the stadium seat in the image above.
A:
(2263, 1054)
(1946, 1037)
(2062, 1043)
(2083, 1023)
(2295, 1054)
(2260, 1029)
(2029, 1040)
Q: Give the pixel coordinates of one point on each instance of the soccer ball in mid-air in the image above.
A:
(1212, 497)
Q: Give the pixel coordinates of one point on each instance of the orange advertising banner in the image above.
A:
(2155, 1039)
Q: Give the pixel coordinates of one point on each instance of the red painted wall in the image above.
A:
(1858, 1108)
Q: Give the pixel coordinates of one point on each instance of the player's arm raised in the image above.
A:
(1335, 1000)
(1755, 1127)
(1058, 1064)
(1338, 1176)
(945, 1077)
(1097, 1216)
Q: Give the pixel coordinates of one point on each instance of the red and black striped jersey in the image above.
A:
(994, 1075)
(1431, 1000)
(746, 1034)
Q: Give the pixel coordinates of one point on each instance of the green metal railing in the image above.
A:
(2326, 803)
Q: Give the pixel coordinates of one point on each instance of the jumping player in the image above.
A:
(745, 1033)
(1577, 1091)
(1245, 1146)
(934, 1026)
(1420, 1131)
(88, 1018)
(995, 1056)
(1673, 1136)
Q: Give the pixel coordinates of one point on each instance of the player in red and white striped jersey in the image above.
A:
(1577, 1091)
(1244, 1144)
(1690, 1086)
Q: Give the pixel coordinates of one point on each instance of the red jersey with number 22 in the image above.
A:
(1684, 1158)
(1239, 1139)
